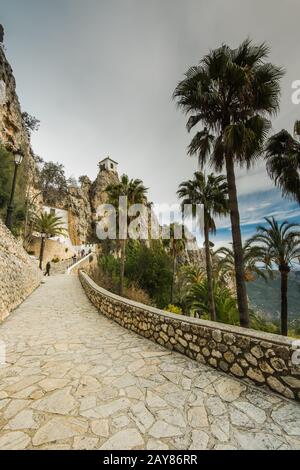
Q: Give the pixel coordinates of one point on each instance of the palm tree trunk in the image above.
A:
(242, 299)
(122, 266)
(42, 249)
(284, 302)
(210, 286)
(173, 276)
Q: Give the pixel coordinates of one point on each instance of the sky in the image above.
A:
(100, 74)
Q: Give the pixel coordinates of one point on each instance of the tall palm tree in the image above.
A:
(231, 93)
(175, 247)
(211, 192)
(135, 192)
(283, 161)
(47, 225)
(279, 244)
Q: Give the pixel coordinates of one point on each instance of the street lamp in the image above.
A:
(43, 239)
(18, 157)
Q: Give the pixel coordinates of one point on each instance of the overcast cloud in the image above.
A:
(99, 75)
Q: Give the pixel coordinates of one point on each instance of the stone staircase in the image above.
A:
(60, 268)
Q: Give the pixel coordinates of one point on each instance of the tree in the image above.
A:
(231, 93)
(283, 162)
(135, 192)
(52, 182)
(48, 225)
(279, 244)
(31, 123)
(211, 192)
(175, 247)
(225, 303)
(252, 256)
(150, 268)
(72, 181)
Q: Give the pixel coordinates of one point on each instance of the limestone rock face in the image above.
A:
(13, 134)
(19, 275)
(98, 194)
(82, 204)
(80, 214)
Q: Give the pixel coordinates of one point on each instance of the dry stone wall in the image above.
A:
(19, 275)
(264, 359)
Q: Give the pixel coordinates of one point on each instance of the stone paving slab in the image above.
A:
(75, 380)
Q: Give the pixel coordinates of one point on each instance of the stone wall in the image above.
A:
(53, 249)
(19, 274)
(262, 358)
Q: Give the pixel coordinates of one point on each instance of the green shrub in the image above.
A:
(173, 309)
(151, 269)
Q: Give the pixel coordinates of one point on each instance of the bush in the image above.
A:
(106, 274)
(137, 294)
(257, 322)
(225, 302)
(151, 269)
(173, 309)
(56, 259)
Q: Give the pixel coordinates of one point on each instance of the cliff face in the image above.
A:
(82, 204)
(80, 214)
(13, 134)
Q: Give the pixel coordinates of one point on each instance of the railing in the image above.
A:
(76, 263)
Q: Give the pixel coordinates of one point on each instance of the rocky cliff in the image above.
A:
(81, 204)
(13, 133)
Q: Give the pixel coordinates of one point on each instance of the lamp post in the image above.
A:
(18, 157)
(43, 239)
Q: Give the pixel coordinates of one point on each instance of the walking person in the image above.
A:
(48, 268)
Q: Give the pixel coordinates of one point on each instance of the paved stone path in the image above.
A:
(74, 379)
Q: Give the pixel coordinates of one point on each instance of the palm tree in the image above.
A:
(175, 247)
(48, 225)
(135, 192)
(225, 302)
(283, 161)
(211, 192)
(231, 93)
(252, 256)
(279, 244)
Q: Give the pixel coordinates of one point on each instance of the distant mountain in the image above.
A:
(265, 296)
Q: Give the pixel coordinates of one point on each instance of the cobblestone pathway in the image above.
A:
(74, 379)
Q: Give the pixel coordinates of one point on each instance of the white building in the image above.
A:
(109, 165)
(64, 238)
